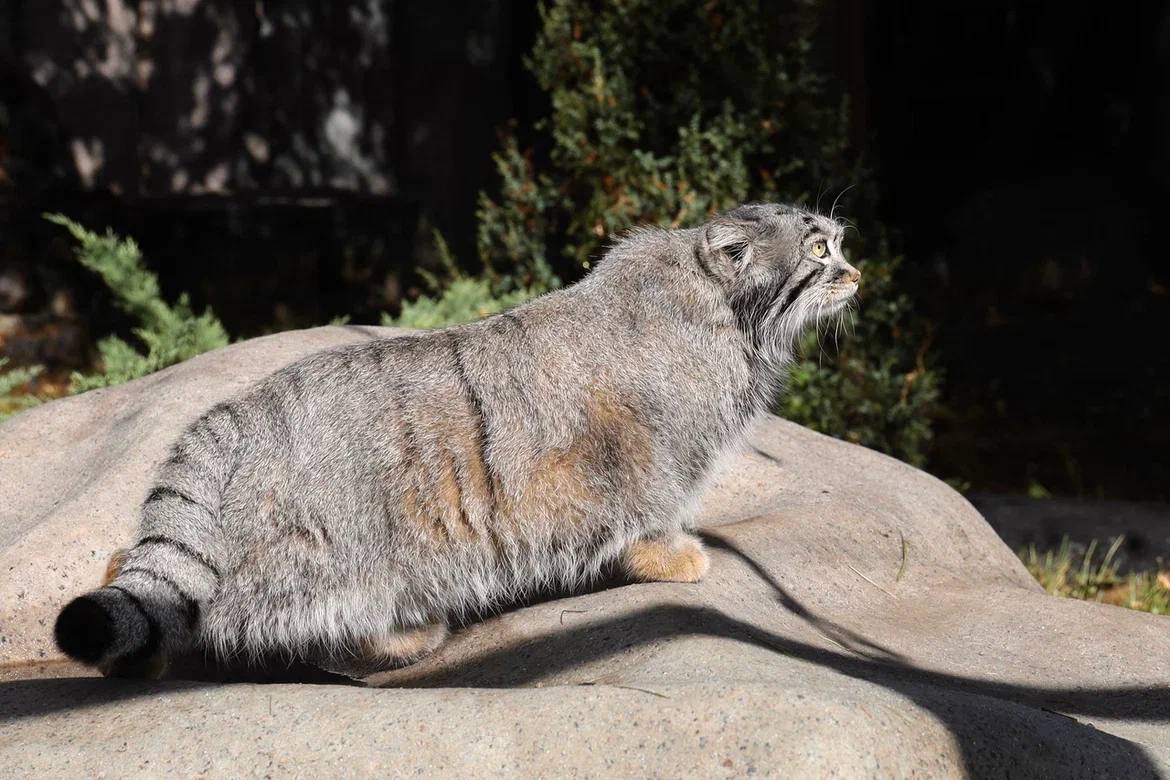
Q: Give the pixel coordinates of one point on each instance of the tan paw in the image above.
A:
(392, 650)
(405, 647)
(677, 559)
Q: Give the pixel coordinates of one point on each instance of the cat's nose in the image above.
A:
(851, 273)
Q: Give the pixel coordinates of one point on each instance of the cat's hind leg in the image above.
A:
(391, 650)
(677, 558)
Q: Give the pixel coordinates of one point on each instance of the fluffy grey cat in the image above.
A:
(349, 505)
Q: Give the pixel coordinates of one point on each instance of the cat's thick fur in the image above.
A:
(346, 506)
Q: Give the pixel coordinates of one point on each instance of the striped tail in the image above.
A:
(150, 608)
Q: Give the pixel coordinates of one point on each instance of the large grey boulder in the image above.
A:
(860, 619)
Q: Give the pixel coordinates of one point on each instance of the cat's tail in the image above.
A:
(151, 605)
(149, 612)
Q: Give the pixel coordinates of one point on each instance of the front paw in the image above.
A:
(678, 559)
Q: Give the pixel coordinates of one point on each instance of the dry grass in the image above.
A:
(1094, 577)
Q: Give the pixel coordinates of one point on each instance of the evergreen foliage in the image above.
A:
(456, 297)
(463, 300)
(170, 333)
(665, 111)
(13, 384)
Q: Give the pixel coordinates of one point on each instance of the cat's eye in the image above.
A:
(819, 249)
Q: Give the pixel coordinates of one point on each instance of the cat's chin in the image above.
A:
(837, 298)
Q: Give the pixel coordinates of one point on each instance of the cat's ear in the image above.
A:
(729, 244)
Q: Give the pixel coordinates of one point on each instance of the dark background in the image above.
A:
(284, 163)
(1023, 150)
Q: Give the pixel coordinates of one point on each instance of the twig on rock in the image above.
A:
(871, 582)
(902, 567)
(627, 688)
(576, 611)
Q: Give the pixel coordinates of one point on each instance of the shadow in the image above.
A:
(995, 724)
(369, 331)
(35, 698)
(982, 715)
(48, 695)
(844, 637)
(766, 455)
(269, 671)
(537, 659)
(985, 717)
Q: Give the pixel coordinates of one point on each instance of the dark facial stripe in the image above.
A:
(150, 647)
(751, 306)
(482, 429)
(190, 605)
(800, 286)
(181, 547)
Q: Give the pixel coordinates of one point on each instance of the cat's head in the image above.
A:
(783, 268)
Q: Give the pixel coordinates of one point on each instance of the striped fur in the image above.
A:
(351, 504)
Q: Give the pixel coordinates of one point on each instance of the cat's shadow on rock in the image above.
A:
(276, 669)
(266, 670)
(550, 654)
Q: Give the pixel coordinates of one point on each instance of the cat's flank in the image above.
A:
(346, 507)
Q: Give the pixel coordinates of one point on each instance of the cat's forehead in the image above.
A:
(788, 219)
(811, 221)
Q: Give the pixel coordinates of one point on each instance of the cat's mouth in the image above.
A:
(838, 295)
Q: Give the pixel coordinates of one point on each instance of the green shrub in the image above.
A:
(170, 333)
(14, 385)
(464, 299)
(665, 111)
(456, 297)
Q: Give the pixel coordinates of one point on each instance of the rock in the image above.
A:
(860, 618)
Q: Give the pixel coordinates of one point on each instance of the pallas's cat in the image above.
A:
(346, 507)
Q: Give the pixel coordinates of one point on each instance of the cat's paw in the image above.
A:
(401, 648)
(676, 559)
(391, 650)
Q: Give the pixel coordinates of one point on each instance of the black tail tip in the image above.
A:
(84, 630)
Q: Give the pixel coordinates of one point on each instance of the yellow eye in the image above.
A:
(819, 249)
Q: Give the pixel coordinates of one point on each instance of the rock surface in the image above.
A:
(860, 619)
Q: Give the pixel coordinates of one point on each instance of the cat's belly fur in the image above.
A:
(295, 583)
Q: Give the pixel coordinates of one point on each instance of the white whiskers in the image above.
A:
(833, 208)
